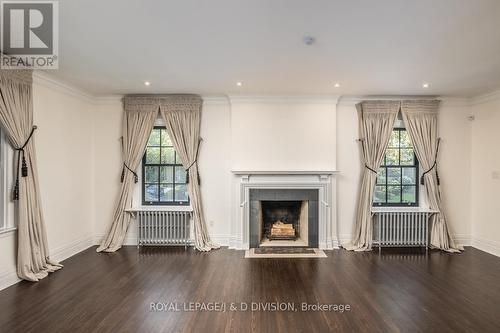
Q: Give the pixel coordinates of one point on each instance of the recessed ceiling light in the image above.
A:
(147, 83)
(239, 84)
(308, 40)
(336, 85)
(425, 85)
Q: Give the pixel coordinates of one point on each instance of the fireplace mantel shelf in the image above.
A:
(295, 172)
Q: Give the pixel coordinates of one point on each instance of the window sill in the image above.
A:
(161, 209)
(388, 209)
(5, 232)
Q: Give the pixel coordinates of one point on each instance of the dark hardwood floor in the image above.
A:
(393, 292)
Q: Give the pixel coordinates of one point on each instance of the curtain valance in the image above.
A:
(420, 106)
(168, 102)
(380, 107)
(21, 76)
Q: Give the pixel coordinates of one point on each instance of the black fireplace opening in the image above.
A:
(288, 216)
(281, 219)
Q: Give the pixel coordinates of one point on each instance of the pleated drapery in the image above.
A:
(182, 116)
(139, 119)
(421, 121)
(16, 117)
(376, 122)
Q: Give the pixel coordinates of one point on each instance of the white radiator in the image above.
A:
(158, 227)
(401, 228)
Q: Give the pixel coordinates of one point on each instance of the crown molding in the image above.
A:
(215, 99)
(485, 98)
(49, 81)
(283, 99)
(107, 99)
(454, 101)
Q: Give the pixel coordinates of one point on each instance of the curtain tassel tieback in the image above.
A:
(434, 166)
(187, 172)
(125, 167)
(371, 169)
(363, 147)
(21, 163)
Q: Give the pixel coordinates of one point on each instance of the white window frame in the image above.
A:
(7, 221)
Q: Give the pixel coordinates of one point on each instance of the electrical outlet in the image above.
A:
(495, 174)
(211, 223)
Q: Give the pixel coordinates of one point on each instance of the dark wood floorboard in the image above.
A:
(398, 291)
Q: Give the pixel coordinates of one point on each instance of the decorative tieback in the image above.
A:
(372, 170)
(125, 166)
(434, 166)
(23, 165)
(363, 147)
(187, 172)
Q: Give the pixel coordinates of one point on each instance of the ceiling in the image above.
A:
(384, 47)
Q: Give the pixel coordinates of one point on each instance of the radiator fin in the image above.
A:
(164, 227)
(401, 229)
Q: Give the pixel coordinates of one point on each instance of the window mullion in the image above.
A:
(159, 181)
(386, 187)
(173, 180)
(400, 173)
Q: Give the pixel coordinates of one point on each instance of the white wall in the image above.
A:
(485, 176)
(64, 155)
(107, 163)
(348, 163)
(283, 134)
(454, 168)
(215, 164)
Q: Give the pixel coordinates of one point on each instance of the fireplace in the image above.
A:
(283, 218)
(284, 221)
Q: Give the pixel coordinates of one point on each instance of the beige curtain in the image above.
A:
(139, 120)
(16, 117)
(421, 121)
(376, 122)
(182, 115)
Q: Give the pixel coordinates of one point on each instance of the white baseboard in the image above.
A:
(9, 277)
(68, 250)
(486, 245)
(221, 239)
(130, 239)
(462, 239)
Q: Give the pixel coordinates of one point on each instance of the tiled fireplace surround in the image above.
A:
(317, 187)
(276, 195)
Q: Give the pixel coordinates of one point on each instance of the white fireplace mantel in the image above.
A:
(322, 180)
(275, 172)
(245, 174)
